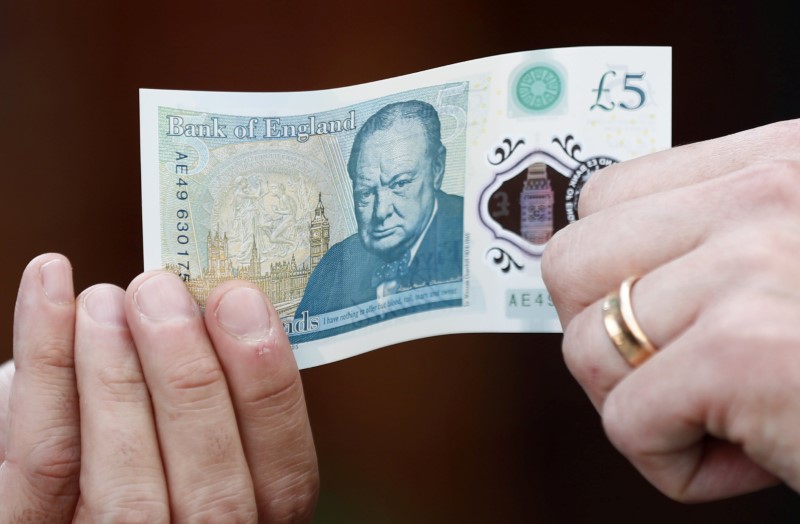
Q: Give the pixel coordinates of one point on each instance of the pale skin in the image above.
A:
(712, 228)
(130, 406)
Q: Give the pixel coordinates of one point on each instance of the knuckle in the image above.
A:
(577, 361)
(591, 361)
(121, 384)
(223, 493)
(736, 331)
(52, 468)
(633, 440)
(616, 426)
(553, 252)
(52, 353)
(131, 512)
(754, 257)
(591, 195)
(782, 135)
(751, 255)
(726, 326)
(294, 500)
(769, 185)
(232, 508)
(290, 492)
(200, 376)
(59, 469)
(784, 176)
(279, 398)
(556, 266)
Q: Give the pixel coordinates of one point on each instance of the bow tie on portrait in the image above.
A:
(392, 271)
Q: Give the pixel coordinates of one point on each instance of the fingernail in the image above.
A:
(56, 278)
(242, 313)
(164, 298)
(105, 304)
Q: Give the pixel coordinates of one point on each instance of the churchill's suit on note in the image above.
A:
(346, 274)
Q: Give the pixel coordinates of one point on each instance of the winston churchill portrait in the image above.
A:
(410, 232)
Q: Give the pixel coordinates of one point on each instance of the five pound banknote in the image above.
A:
(398, 209)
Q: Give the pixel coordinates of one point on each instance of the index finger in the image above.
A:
(267, 394)
(689, 164)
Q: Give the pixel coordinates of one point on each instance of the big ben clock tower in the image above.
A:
(536, 206)
(319, 234)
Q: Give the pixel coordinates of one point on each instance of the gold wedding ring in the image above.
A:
(622, 327)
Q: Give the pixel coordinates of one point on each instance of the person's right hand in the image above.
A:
(156, 415)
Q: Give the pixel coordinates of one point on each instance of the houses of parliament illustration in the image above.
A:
(284, 282)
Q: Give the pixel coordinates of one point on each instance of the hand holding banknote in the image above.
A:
(711, 414)
(130, 407)
(702, 395)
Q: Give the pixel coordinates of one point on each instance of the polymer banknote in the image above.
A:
(398, 209)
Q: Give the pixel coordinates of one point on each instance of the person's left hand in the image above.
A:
(131, 406)
(712, 230)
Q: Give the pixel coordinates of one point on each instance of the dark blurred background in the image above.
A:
(470, 428)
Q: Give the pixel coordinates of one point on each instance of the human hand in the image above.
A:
(158, 414)
(712, 229)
